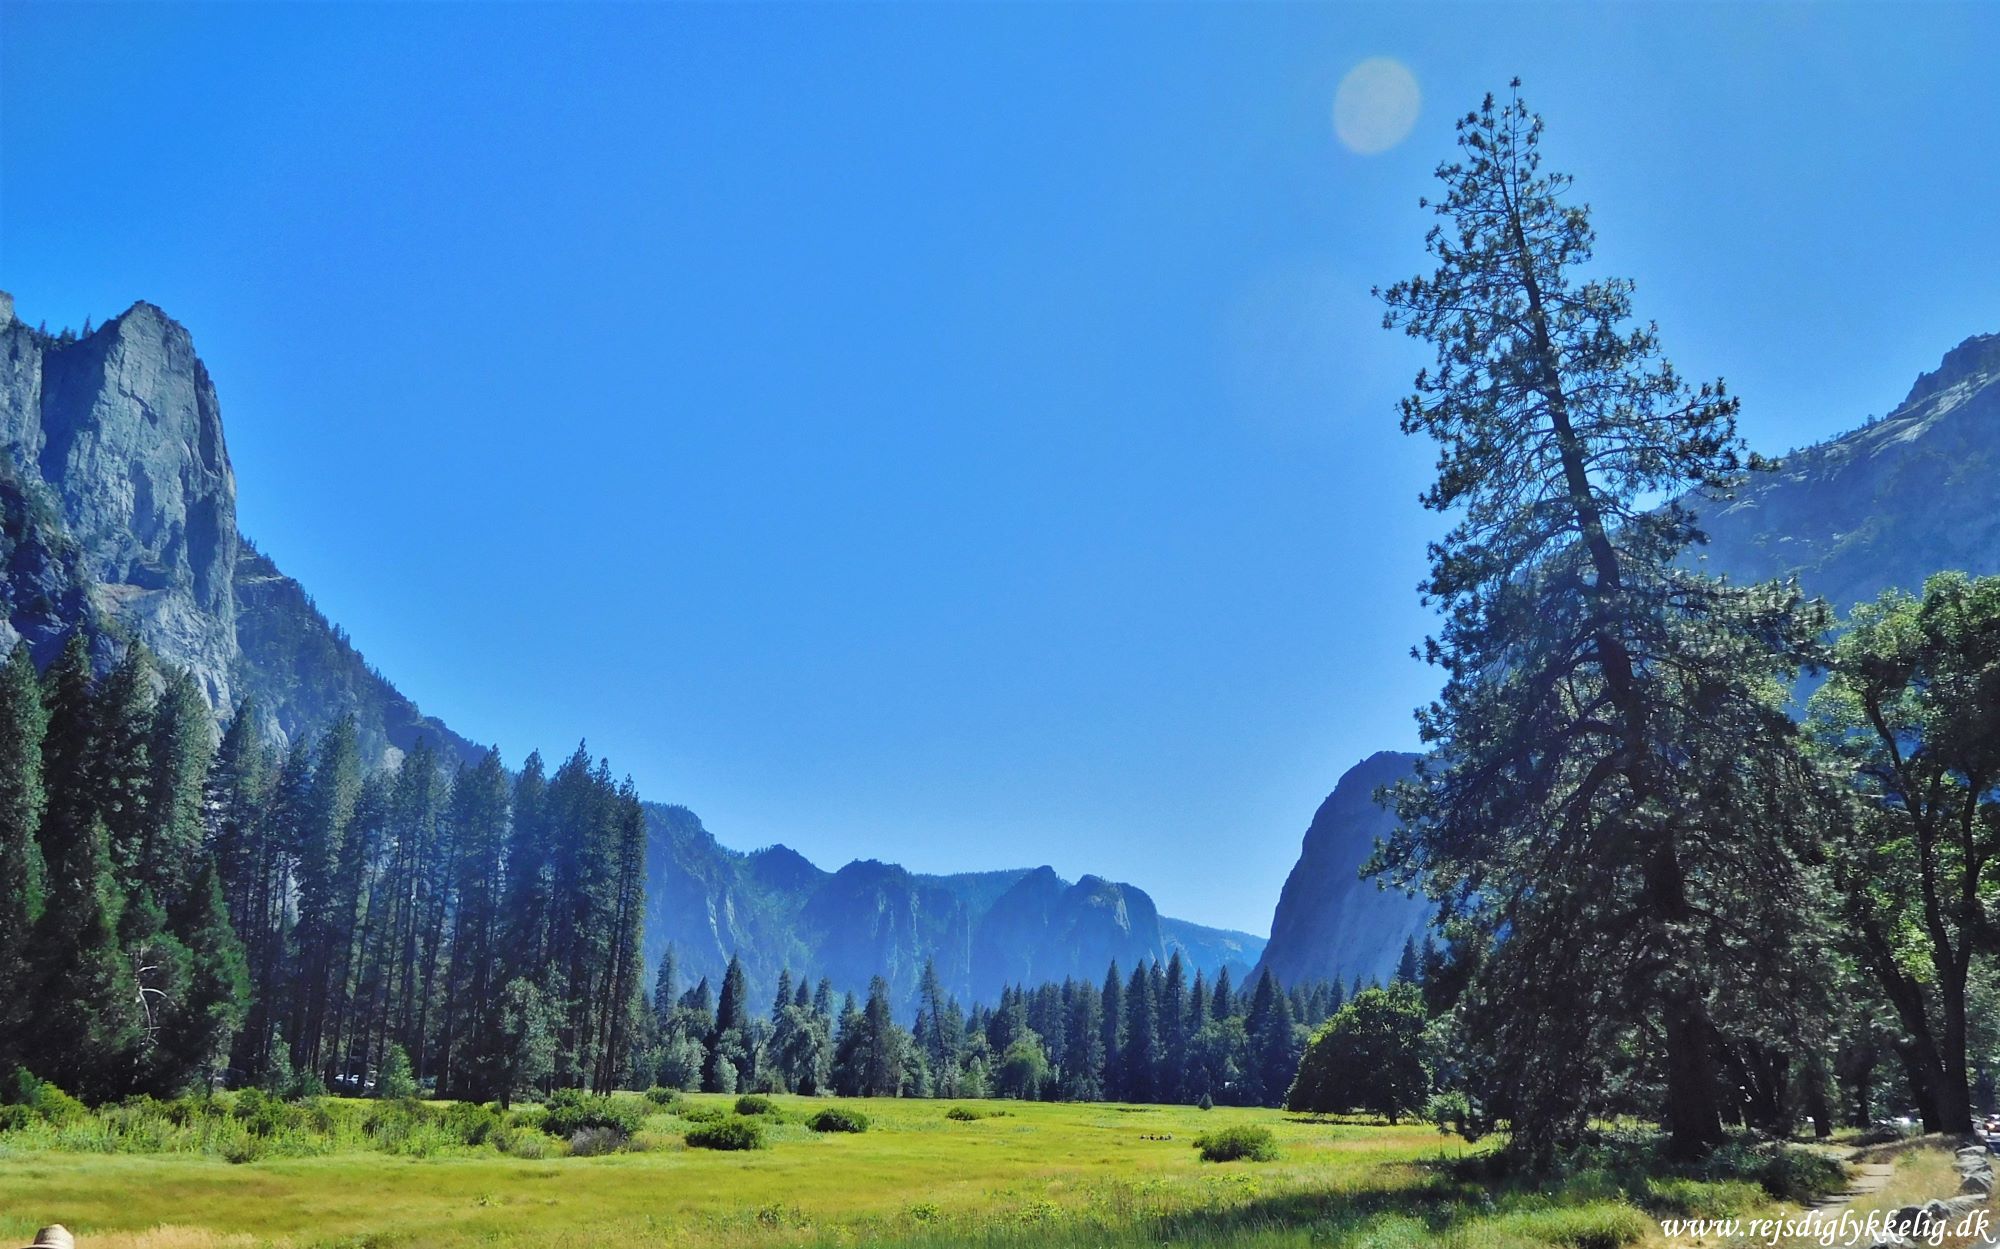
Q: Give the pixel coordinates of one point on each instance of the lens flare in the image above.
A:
(1376, 105)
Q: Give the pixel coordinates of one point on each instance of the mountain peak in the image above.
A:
(1975, 361)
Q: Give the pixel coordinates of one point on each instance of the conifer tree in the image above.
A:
(477, 814)
(23, 880)
(87, 1025)
(1139, 1056)
(199, 1027)
(1586, 665)
(1111, 1025)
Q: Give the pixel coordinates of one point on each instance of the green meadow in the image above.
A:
(1024, 1174)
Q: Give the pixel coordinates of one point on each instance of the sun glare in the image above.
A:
(1376, 105)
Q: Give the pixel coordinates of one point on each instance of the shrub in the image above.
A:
(701, 1114)
(569, 1111)
(736, 1133)
(590, 1142)
(1451, 1110)
(663, 1096)
(45, 1100)
(1239, 1142)
(838, 1119)
(1800, 1175)
(972, 1114)
(471, 1123)
(1206, 1103)
(752, 1104)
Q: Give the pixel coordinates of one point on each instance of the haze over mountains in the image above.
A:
(120, 504)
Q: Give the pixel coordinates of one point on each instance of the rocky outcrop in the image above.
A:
(123, 428)
(1884, 505)
(120, 514)
(1331, 923)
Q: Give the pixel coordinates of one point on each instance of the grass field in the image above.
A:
(1038, 1174)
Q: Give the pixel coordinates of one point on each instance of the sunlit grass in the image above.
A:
(1038, 1175)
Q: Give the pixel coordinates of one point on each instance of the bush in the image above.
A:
(752, 1104)
(663, 1096)
(970, 1114)
(471, 1123)
(735, 1133)
(591, 1142)
(1240, 1142)
(1800, 1175)
(1206, 1103)
(701, 1114)
(1451, 1110)
(838, 1119)
(570, 1111)
(47, 1102)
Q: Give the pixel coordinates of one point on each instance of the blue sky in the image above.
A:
(953, 435)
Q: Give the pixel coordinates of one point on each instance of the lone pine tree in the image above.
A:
(1591, 679)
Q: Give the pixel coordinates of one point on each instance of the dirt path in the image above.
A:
(1868, 1178)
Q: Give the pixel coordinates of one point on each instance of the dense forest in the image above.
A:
(1155, 1036)
(179, 909)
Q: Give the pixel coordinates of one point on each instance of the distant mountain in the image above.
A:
(1883, 505)
(118, 508)
(774, 909)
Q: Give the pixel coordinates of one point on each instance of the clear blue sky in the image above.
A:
(952, 435)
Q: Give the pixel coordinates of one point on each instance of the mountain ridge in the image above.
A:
(120, 514)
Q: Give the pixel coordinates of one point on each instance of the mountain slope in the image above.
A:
(774, 909)
(118, 509)
(1884, 505)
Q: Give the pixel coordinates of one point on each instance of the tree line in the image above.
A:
(179, 907)
(1156, 1035)
(1669, 890)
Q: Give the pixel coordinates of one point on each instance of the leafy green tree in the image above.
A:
(1372, 1055)
(1023, 1069)
(802, 1050)
(1911, 715)
(396, 1080)
(1587, 667)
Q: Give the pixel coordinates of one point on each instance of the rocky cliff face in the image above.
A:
(121, 512)
(1330, 923)
(1884, 505)
(123, 429)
